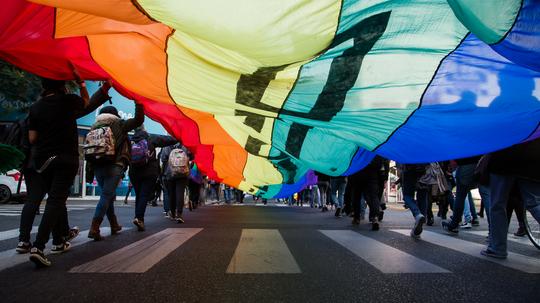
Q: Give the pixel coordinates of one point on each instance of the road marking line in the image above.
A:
(515, 261)
(385, 258)
(10, 258)
(262, 251)
(140, 256)
(511, 237)
(13, 233)
(9, 215)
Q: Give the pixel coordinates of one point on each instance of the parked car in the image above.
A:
(8, 186)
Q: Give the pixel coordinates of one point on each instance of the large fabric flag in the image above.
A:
(264, 92)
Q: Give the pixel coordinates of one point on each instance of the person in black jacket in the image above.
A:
(55, 160)
(144, 173)
(109, 174)
(365, 183)
(519, 166)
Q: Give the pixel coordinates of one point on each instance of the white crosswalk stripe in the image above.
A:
(262, 251)
(515, 261)
(385, 258)
(15, 210)
(10, 258)
(265, 251)
(484, 233)
(140, 256)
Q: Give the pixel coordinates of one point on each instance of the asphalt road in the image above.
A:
(267, 254)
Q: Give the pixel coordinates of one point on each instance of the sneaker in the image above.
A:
(414, 236)
(475, 222)
(338, 212)
(489, 253)
(374, 225)
(450, 228)
(58, 249)
(466, 225)
(139, 223)
(179, 219)
(356, 222)
(519, 233)
(430, 222)
(418, 225)
(73, 233)
(23, 247)
(38, 257)
(383, 206)
(381, 215)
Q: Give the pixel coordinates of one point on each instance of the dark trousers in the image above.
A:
(144, 191)
(176, 189)
(368, 187)
(465, 183)
(194, 193)
(58, 179)
(36, 190)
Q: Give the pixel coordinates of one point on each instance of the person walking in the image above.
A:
(176, 164)
(516, 166)
(144, 169)
(365, 183)
(52, 124)
(410, 175)
(107, 151)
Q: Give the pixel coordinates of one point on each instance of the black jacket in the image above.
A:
(150, 169)
(521, 160)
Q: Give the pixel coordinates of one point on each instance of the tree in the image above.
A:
(18, 90)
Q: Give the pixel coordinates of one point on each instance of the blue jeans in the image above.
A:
(315, 198)
(408, 181)
(464, 180)
(500, 192)
(338, 185)
(227, 195)
(144, 190)
(485, 194)
(108, 177)
(166, 205)
(469, 211)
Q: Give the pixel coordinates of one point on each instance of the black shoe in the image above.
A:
(383, 206)
(475, 222)
(489, 253)
(418, 225)
(154, 203)
(356, 222)
(381, 215)
(374, 225)
(519, 233)
(450, 228)
(338, 212)
(430, 222)
(179, 219)
(38, 257)
(58, 249)
(23, 247)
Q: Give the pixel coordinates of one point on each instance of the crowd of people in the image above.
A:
(508, 180)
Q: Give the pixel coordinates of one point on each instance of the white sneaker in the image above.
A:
(58, 249)
(466, 225)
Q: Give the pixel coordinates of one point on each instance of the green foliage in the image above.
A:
(19, 89)
(11, 158)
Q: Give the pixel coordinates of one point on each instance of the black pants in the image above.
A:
(194, 193)
(36, 190)
(368, 187)
(57, 180)
(176, 189)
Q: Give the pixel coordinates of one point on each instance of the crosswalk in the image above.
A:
(14, 210)
(265, 251)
